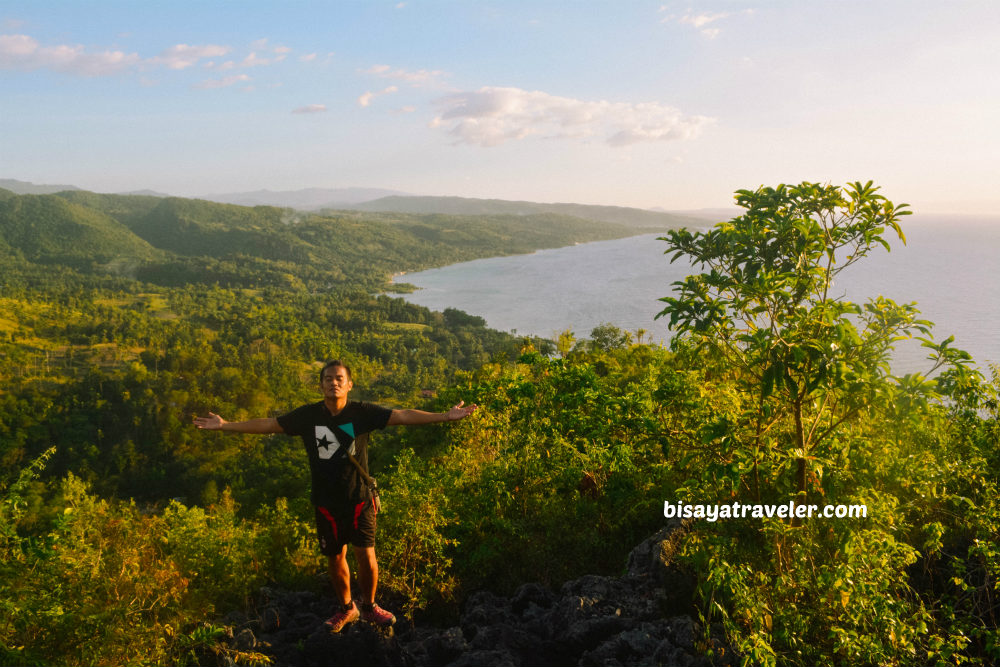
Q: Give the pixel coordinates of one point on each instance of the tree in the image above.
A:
(564, 342)
(608, 337)
(806, 359)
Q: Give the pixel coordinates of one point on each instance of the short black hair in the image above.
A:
(333, 363)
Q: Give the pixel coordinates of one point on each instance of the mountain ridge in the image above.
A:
(621, 215)
(173, 240)
(306, 199)
(27, 188)
(383, 200)
(50, 227)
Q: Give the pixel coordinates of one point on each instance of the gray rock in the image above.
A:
(446, 647)
(485, 659)
(270, 619)
(637, 620)
(531, 594)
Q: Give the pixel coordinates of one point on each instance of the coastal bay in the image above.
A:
(948, 266)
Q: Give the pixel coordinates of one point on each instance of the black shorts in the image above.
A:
(336, 527)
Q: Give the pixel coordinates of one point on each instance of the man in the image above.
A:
(334, 430)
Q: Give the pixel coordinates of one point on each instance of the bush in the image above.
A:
(107, 583)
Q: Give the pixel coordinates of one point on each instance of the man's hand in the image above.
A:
(419, 417)
(212, 422)
(459, 412)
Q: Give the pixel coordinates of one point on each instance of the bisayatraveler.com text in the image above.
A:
(789, 510)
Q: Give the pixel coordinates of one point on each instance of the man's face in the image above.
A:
(336, 382)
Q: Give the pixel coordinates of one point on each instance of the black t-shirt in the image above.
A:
(328, 439)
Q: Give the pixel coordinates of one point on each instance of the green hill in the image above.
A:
(199, 228)
(126, 209)
(619, 215)
(174, 241)
(50, 229)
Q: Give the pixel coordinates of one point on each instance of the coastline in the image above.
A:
(578, 287)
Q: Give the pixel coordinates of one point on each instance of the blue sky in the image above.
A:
(649, 104)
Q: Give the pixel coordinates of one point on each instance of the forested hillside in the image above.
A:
(171, 241)
(124, 314)
(619, 215)
(127, 536)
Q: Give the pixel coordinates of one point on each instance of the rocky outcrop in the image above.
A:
(635, 620)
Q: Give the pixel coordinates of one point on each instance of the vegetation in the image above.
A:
(629, 217)
(126, 535)
(808, 411)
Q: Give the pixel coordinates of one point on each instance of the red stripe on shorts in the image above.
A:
(333, 521)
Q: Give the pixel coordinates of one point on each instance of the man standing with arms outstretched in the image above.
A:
(334, 431)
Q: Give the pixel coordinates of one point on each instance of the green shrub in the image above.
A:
(107, 583)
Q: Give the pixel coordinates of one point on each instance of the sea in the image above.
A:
(949, 266)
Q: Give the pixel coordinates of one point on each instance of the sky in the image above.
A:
(648, 104)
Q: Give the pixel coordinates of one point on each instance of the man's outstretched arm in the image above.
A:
(419, 417)
(214, 422)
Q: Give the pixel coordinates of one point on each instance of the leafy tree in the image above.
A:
(564, 342)
(608, 337)
(806, 359)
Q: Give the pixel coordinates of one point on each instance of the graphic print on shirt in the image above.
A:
(327, 443)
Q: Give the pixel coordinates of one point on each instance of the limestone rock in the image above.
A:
(637, 620)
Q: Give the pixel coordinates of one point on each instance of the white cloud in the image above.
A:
(22, 52)
(310, 108)
(491, 116)
(308, 57)
(222, 83)
(262, 45)
(700, 21)
(367, 97)
(14, 48)
(182, 56)
(253, 60)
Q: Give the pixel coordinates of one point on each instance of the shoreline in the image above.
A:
(581, 290)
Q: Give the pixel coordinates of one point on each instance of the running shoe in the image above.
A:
(377, 615)
(337, 622)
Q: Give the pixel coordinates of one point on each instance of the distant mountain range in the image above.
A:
(629, 217)
(391, 201)
(387, 201)
(145, 193)
(172, 240)
(26, 188)
(308, 199)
